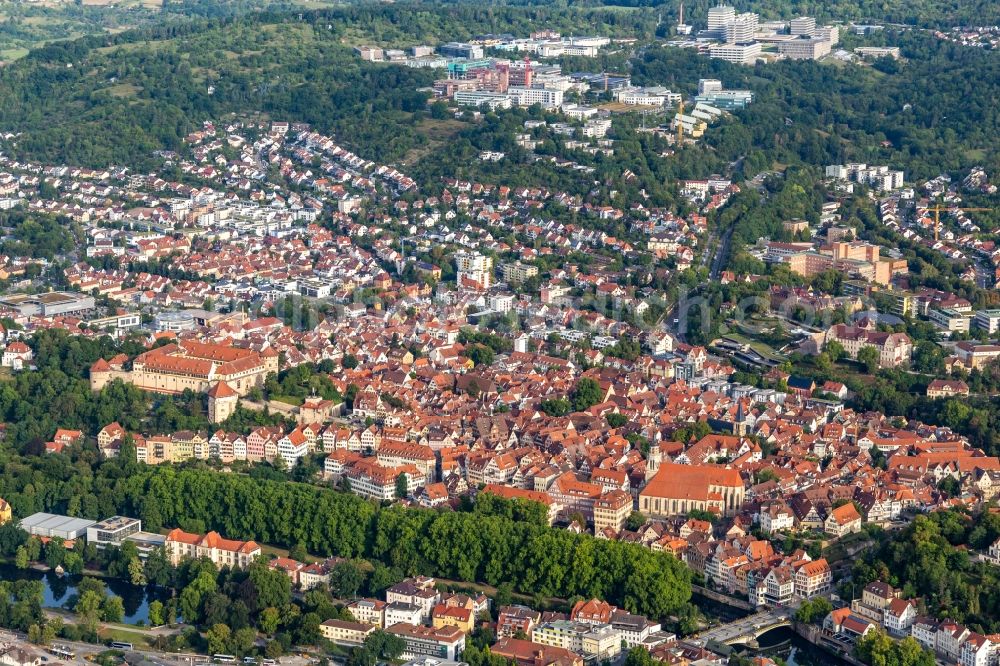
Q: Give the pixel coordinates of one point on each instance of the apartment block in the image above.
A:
(440, 642)
(345, 633)
(611, 510)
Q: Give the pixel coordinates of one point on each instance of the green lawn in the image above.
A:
(763, 349)
(135, 637)
(9, 55)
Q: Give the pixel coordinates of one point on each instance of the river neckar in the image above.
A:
(781, 642)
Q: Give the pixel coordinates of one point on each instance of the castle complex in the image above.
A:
(191, 365)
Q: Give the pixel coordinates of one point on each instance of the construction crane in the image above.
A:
(938, 209)
(608, 75)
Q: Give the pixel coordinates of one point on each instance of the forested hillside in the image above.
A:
(931, 113)
(928, 13)
(107, 100)
(930, 559)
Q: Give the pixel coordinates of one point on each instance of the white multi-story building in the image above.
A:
(596, 128)
(950, 320)
(994, 552)
(501, 302)
(491, 100)
(719, 17)
(775, 518)
(528, 96)
(830, 33)
(977, 650)
(880, 177)
(813, 578)
(345, 633)
(804, 49)
(293, 447)
(417, 592)
(398, 611)
(440, 642)
(950, 637)
(370, 479)
(475, 268)
(634, 629)
(878, 51)
(578, 112)
(803, 26)
(706, 86)
(779, 586)
(741, 29)
(899, 616)
(924, 631)
(112, 531)
(601, 641)
(369, 611)
(655, 96)
(740, 54)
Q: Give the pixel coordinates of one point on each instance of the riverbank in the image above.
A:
(718, 597)
(59, 591)
(815, 636)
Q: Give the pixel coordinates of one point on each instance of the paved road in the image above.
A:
(746, 626)
(83, 650)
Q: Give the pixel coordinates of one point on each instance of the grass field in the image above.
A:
(764, 350)
(123, 90)
(135, 637)
(10, 55)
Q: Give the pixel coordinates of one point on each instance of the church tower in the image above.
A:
(653, 461)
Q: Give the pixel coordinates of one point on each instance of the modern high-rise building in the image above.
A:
(804, 26)
(741, 29)
(719, 17)
(829, 33)
(474, 269)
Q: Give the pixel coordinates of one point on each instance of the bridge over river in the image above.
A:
(746, 629)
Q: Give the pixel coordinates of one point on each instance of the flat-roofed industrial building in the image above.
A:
(53, 526)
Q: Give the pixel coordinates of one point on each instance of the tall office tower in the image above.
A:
(719, 17)
(742, 29)
(804, 26)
